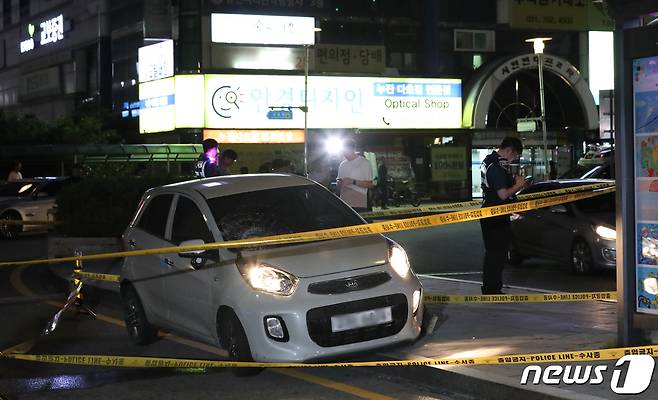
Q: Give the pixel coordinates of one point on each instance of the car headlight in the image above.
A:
(268, 279)
(606, 233)
(397, 257)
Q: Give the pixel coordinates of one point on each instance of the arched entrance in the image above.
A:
(559, 74)
(504, 91)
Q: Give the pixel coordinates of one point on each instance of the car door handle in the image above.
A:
(132, 243)
(169, 262)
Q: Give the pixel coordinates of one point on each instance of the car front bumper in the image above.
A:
(604, 253)
(307, 319)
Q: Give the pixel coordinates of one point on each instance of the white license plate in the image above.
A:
(345, 322)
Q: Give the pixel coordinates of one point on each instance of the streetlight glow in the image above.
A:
(538, 46)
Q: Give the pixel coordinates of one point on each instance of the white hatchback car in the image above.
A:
(288, 303)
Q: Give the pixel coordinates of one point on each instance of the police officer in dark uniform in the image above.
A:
(206, 165)
(499, 186)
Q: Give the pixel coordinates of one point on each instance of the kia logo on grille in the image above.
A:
(351, 284)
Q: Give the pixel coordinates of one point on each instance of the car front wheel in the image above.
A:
(237, 344)
(139, 328)
(582, 261)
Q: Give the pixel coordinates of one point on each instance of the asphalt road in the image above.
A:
(454, 252)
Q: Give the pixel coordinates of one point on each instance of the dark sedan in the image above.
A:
(581, 233)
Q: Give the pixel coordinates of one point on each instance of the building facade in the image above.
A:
(54, 56)
(479, 44)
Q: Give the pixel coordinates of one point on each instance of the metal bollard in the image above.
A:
(77, 281)
(77, 287)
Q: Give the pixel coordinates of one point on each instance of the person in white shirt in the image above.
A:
(354, 178)
(15, 173)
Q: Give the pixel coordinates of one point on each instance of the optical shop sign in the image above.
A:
(242, 101)
(43, 33)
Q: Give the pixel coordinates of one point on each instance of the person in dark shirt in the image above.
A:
(227, 158)
(382, 183)
(552, 171)
(499, 186)
(206, 165)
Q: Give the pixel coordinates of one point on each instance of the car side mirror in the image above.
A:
(192, 253)
(559, 209)
(207, 254)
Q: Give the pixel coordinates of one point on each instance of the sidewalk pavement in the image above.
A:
(471, 330)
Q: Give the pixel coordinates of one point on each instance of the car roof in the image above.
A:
(234, 184)
(39, 179)
(565, 183)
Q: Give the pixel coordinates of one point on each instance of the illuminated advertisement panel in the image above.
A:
(262, 29)
(243, 101)
(156, 61)
(645, 96)
(334, 102)
(157, 112)
(255, 136)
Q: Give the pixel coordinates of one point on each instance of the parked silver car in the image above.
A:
(581, 233)
(297, 302)
(27, 200)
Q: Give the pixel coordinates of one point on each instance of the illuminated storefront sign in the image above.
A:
(262, 29)
(157, 112)
(156, 61)
(255, 136)
(573, 15)
(243, 102)
(51, 31)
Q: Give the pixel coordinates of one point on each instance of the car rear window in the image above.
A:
(280, 211)
(154, 217)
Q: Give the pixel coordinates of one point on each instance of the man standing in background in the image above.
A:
(206, 166)
(382, 183)
(354, 178)
(227, 158)
(15, 173)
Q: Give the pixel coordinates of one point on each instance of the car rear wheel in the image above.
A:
(139, 328)
(236, 343)
(9, 228)
(582, 261)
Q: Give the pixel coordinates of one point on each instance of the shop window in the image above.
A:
(403, 61)
(474, 40)
(68, 72)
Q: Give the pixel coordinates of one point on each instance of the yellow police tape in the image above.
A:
(478, 203)
(520, 298)
(432, 298)
(343, 232)
(159, 362)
